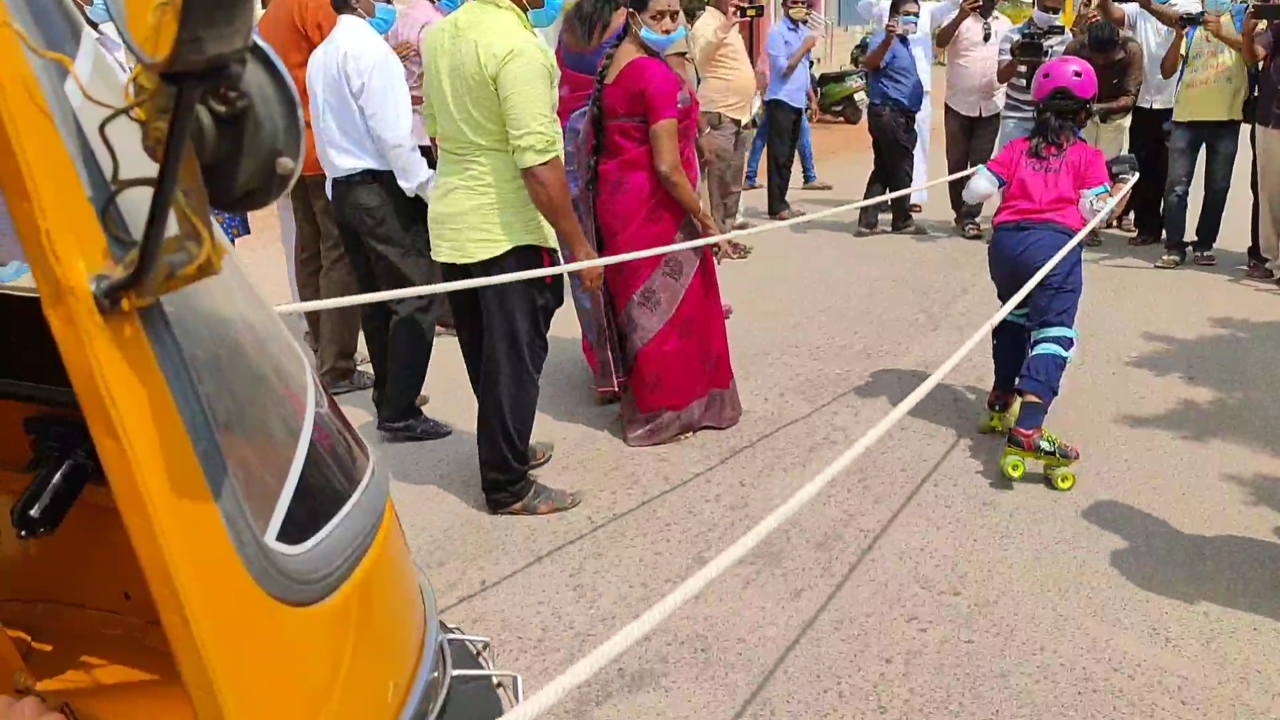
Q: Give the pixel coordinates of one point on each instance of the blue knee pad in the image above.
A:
(1060, 341)
(1051, 350)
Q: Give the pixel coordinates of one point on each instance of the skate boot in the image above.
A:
(1055, 456)
(1001, 413)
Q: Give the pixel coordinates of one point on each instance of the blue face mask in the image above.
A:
(658, 42)
(97, 12)
(448, 6)
(545, 16)
(384, 18)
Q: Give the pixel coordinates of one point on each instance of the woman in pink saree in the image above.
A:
(639, 169)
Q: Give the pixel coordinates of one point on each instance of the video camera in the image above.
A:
(1192, 19)
(1032, 44)
(1122, 168)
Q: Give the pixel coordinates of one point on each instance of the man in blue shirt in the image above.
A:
(896, 95)
(790, 65)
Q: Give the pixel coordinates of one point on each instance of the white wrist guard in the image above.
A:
(1093, 201)
(982, 186)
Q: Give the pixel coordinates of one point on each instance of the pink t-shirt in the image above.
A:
(1047, 190)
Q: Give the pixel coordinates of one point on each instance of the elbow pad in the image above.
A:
(1093, 201)
(982, 186)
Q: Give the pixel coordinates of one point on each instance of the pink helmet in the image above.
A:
(1067, 75)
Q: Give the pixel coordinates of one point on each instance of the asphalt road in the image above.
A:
(920, 585)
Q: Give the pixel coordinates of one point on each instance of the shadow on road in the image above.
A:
(955, 407)
(450, 464)
(1264, 490)
(624, 514)
(1236, 363)
(1115, 246)
(1230, 571)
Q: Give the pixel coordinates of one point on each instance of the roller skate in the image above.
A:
(1001, 413)
(1055, 456)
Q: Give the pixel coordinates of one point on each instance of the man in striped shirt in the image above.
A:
(1017, 67)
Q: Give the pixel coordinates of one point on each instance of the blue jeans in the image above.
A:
(805, 151)
(1012, 128)
(1031, 347)
(1219, 140)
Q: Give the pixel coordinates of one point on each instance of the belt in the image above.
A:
(364, 177)
(716, 119)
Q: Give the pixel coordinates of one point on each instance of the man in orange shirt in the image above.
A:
(294, 28)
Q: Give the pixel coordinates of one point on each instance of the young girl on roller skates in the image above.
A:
(1052, 185)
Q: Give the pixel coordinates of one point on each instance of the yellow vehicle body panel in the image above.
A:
(139, 606)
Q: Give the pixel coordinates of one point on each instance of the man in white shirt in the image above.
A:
(363, 122)
(972, 40)
(1151, 24)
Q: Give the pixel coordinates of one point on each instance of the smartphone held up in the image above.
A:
(1269, 11)
(750, 12)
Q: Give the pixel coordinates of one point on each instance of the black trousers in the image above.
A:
(1149, 143)
(784, 136)
(893, 145)
(385, 235)
(1255, 248)
(502, 330)
(970, 142)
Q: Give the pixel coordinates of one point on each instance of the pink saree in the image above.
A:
(665, 310)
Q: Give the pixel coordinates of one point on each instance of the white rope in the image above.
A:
(437, 288)
(599, 658)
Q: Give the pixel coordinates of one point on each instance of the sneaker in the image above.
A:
(1041, 445)
(419, 429)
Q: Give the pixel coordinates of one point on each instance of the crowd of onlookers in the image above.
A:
(1175, 78)
(464, 140)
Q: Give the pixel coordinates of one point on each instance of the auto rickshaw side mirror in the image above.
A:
(227, 105)
(249, 135)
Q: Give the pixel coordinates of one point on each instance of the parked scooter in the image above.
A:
(842, 94)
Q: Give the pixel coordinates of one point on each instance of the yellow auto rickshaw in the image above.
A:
(192, 529)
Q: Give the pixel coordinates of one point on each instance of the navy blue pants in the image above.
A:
(1031, 347)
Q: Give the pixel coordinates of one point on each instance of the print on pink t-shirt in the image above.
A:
(1047, 191)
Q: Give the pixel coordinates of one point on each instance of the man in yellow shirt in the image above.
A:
(500, 193)
(1213, 83)
(727, 89)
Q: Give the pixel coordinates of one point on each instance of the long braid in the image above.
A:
(595, 115)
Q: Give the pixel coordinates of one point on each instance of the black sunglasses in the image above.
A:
(986, 31)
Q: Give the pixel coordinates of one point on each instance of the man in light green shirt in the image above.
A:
(500, 200)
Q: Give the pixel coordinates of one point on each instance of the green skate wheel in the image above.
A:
(1013, 467)
(1062, 480)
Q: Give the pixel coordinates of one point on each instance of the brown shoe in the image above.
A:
(787, 215)
(358, 382)
(540, 453)
(542, 500)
